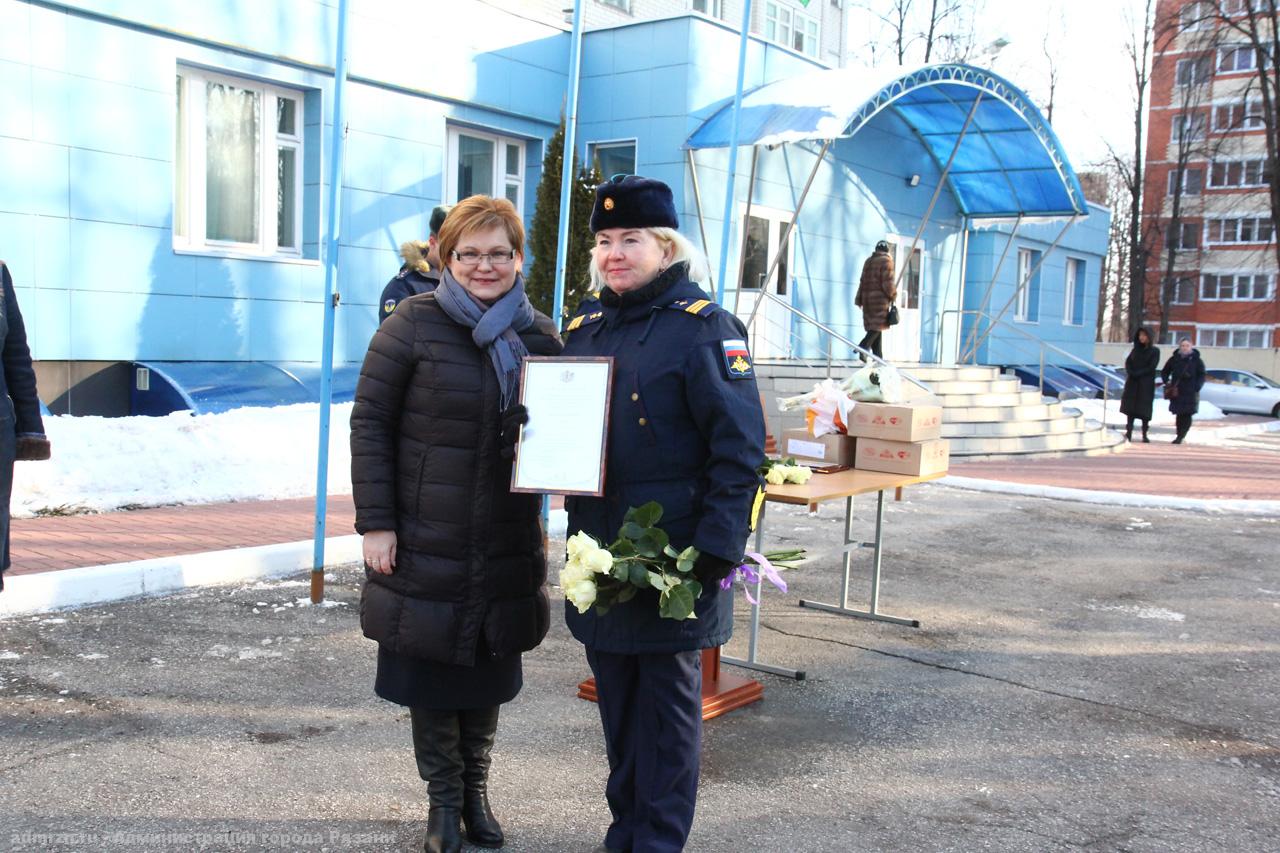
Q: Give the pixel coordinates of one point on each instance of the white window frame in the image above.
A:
(1234, 51)
(782, 23)
(1186, 172)
(1204, 63)
(1236, 221)
(1237, 336)
(1244, 173)
(190, 236)
(1185, 228)
(715, 8)
(1069, 303)
(593, 147)
(1188, 123)
(500, 176)
(1201, 18)
(1249, 110)
(1235, 277)
(1022, 309)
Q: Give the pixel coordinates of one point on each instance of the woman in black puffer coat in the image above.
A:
(454, 560)
(1184, 371)
(1140, 383)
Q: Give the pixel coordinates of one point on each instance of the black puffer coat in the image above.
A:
(1140, 380)
(1188, 372)
(426, 463)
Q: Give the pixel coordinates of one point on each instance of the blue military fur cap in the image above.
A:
(630, 201)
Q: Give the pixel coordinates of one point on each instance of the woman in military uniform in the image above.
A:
(685, 430)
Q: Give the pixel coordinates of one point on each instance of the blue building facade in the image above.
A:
(163, 165)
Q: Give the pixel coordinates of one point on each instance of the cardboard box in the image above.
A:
(827, 450)
(895, 422)
(913, 458)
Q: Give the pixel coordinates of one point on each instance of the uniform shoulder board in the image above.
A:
(697, 307)
(584, 319)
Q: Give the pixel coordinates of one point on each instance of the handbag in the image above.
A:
(1171, 390)
(892, 318)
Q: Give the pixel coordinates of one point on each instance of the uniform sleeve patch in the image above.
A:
(388, 306)
(737, 359)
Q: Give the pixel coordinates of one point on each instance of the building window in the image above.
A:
(1182, 290)
(1253, 229)
(484, 164)
(1027, 309)
(1238, 173)
(788, 27)
(623, 5)
(1193, 72)
(237, 166)
(1172, 336)
(1183, 235)
(1236, 117)
(1189, 128)
(1244, 287)
(1073, 307)
(1241, 7)
(614, 158)
(711, 8)
(1196, 16)
(1234, 337)
(1240, 57)
(1192, 181)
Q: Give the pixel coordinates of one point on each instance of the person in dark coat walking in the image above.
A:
(876, 292)
(1183, 371)
(420, 272)
(1139, 383)
(686, 430)
(454, 560)
(21, 427)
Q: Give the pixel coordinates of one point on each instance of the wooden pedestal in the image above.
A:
(721, 691)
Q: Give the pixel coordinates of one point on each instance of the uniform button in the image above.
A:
(643, 422)
(635, 397)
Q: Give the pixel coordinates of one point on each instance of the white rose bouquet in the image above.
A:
(640, 558)
(780, 471)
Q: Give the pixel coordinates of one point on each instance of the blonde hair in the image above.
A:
(479, 213)
(685, 252)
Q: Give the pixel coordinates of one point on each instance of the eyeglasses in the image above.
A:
(495, 259)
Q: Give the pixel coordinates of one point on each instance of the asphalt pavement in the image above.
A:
(1084, 677)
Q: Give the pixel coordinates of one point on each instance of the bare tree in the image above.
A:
(896, 18)
(928, 31)
(1111, 323)
(1050, 58)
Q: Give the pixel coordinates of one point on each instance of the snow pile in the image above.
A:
(102, 464)
(1160, 414)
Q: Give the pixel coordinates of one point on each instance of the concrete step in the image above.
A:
(1064, 423)
(1010, 398)
(930, 373)
(1056, 442)
(976, 414)
(945, 388)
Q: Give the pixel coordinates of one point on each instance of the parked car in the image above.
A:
(1115, 387)
(1241, 391)
(1058, 382)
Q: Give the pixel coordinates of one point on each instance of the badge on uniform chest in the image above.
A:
(737, 359)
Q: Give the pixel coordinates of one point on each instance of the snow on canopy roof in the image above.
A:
(1010, 162)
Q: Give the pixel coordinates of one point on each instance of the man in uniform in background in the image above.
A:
(420, 272)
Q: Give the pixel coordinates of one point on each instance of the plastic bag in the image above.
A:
(875, 383)
(827, 409)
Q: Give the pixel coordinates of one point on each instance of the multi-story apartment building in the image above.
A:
(1211, 274)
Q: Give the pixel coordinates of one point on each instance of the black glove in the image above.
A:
(711, 569)
(32, 448)
(512, 419)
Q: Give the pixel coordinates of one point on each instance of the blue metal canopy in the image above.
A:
(1010, 163)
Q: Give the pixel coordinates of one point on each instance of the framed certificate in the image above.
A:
(562, 449)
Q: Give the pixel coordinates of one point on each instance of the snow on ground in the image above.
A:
(102, 464)
(1160, 414)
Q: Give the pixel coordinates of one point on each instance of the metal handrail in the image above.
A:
(1042, 344)
(834, 335)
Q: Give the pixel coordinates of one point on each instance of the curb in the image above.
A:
(64, 588)
(1129, 499)
(1234, 431)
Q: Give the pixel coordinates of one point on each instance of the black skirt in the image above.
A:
(422, 683)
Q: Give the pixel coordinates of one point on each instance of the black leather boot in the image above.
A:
(478, 728)
(436, 746)
(1145, 440)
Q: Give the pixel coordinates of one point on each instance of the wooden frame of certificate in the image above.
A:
(562, 450)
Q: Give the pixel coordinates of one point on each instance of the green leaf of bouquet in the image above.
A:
(622, 549)
(694, 587)
(676, 603)
(671, 552)
(625, 594)
(645, 516)
(653, 543)
(631, 530)
(686, 559)
(621, 570)
(639, 575)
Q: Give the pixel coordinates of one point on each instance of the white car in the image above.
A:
(1241, 391)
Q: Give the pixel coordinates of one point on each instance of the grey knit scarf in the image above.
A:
(494, 327)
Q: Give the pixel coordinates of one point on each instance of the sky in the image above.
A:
(1093, 101)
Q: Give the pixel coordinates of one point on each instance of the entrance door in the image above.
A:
(771, 330)
(902, 342)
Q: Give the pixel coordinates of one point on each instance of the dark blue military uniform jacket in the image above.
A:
(408, 282)
(685, 430)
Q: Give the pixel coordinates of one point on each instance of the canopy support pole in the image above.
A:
(330, 303)
(697, 206)
(567, 176)
(733, 152)
(786, 235)
(742, 253)
(986, 296)
(1022, 285)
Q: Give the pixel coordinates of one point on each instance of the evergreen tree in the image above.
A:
(544, 238)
